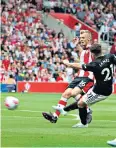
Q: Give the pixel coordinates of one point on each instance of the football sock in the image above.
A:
(74, 105)
(83, 115)
(62, 103)
(70, 107)
(88, 109)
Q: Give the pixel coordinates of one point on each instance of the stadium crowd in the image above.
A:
(30, 51)
(99, 14)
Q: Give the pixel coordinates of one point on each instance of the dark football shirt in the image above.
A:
(103, 69)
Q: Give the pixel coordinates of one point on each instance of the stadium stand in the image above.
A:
(94, 13)
(31, 51)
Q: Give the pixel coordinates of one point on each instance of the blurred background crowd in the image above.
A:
(98, 14)
(30, 51)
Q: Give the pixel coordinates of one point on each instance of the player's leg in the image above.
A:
(53, 117)
(88, 99)
(82, 112)
(67, 94)
(71, 107)
(63, 101)
(83, 115)
(85, 85)
(81, 87)
(74, 106)
(85, 112)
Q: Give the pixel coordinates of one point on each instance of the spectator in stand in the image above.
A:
(77, 28)
(94, 13)
(104, 31)
(72, 44)
(59, 77)
(81, 14)
(6, 63)
(11, 84)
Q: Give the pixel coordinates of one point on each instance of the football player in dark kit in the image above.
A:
(103, 69)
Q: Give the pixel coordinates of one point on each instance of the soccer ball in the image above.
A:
(11, 102)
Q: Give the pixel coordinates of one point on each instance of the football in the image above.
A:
(11, 102)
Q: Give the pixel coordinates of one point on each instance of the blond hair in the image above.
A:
(88, 32)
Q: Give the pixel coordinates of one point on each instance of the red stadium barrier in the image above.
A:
(70, 21)
(41, 87)
(56, 87)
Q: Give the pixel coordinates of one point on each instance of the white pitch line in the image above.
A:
(23, 110)
(61, 118)
(27, 117)
(74, 115)
(18, 117)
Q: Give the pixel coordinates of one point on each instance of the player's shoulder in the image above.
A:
(94, 63)
(109, 55)
(109, 59)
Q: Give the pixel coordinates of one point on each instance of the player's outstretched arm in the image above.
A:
(73, 65)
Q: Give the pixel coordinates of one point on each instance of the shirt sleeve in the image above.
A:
(89, 67)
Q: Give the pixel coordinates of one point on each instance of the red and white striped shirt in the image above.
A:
(85, 58)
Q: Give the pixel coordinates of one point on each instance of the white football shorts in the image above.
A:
(91, 98)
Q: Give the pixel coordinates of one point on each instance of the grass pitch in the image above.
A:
(26, 127)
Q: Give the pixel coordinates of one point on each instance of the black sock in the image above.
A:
(83, 115)
(70, 107)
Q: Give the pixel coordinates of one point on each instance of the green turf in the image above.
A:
(25, 126)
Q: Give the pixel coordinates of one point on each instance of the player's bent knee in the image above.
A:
(67, 94)
(81, 104)
(76, 91)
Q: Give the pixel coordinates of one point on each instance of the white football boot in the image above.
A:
(80, 125)
(60, 109)
(112, 142)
